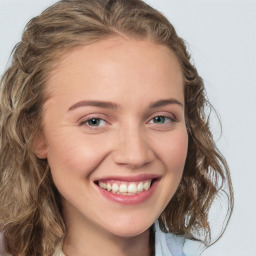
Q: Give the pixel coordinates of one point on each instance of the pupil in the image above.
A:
(94, 122)
(159, 119)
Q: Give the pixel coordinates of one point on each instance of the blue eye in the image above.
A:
(162, 123)
(95, 122)
(159, 119)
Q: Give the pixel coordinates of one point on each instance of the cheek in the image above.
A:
(174, 152)
(70, 155)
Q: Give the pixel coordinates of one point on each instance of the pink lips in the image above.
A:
(130, 199)
(137, 178)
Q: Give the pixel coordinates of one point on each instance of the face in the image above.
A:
(114, 134)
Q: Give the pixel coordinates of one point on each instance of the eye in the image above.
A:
(161, 120)
(95, 122)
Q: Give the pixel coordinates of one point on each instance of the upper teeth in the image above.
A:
(121, 187)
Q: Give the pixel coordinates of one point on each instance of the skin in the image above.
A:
(127, 140)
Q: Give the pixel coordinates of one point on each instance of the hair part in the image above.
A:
(31, 215)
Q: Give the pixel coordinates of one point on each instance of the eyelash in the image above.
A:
(166, 117)
(85, 123)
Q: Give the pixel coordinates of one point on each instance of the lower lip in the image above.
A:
(129, 199)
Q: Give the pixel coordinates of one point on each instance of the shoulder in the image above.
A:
(168, 244)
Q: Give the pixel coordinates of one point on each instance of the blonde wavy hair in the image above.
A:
(30, 206)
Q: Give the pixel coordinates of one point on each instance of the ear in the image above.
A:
(40, 145)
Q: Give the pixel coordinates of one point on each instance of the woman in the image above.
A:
(105, 145)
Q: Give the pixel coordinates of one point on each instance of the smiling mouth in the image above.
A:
(125, 188)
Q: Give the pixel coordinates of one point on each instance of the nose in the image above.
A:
(133, 149)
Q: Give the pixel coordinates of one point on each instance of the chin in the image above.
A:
(130, 233)
(129, 229)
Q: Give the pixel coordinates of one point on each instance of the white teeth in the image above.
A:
(126, 187)
(103, 185)
(140, 187)
(132, 188)
(147, 184)
(109, 187)
(123, 188)
(115, 188)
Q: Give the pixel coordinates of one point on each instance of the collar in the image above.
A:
(167, 244)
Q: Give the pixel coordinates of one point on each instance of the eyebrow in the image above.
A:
(165, 102)
(111, 105)
(100, 104)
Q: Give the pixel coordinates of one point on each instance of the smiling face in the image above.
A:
(115, 134)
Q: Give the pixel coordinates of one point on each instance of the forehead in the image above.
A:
(115, 61)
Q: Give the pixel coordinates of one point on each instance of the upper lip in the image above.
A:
(136, 178)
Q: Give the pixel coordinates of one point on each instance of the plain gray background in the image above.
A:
(221, 35)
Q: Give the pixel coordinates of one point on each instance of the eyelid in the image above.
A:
(82, 122)
(166, 117)
(91, 116)
(163, 114)
(166, 126)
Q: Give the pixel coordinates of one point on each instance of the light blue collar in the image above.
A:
(167, 244)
